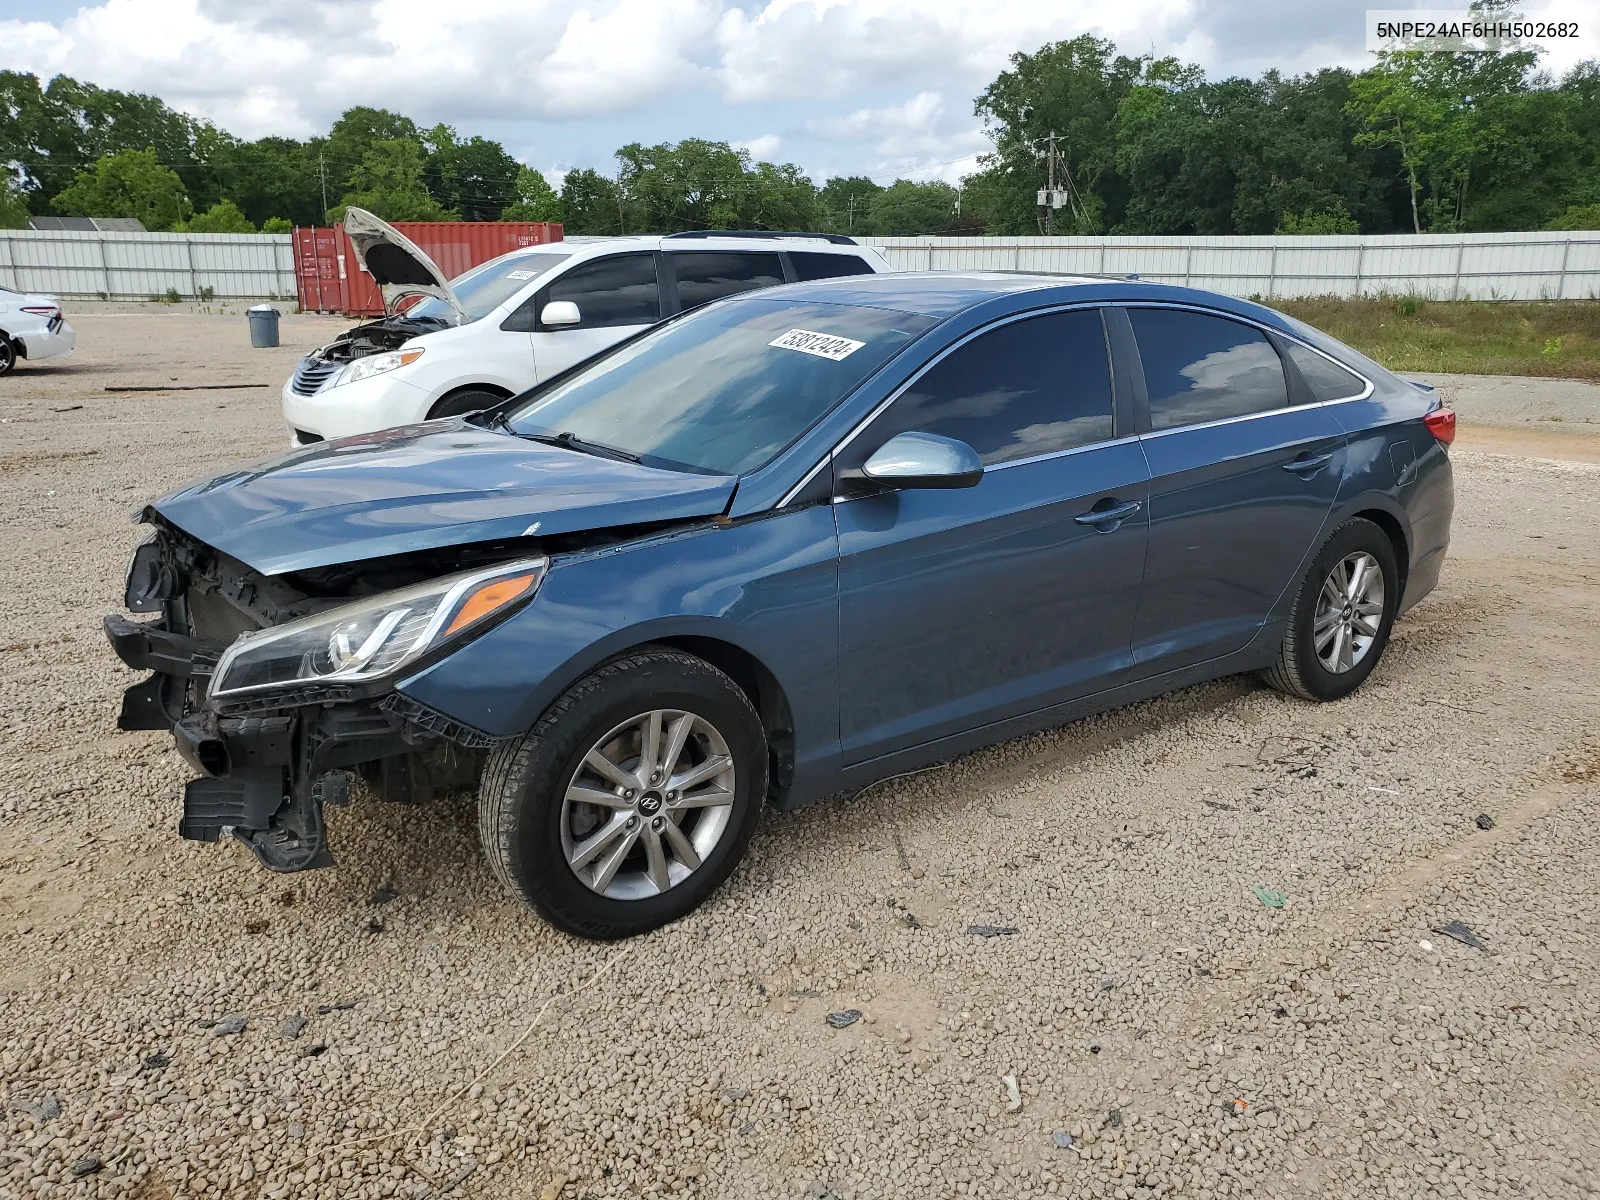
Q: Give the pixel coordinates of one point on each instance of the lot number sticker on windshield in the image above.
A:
(823, 345)
(522, 274)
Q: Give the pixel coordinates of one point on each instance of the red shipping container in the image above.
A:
(331, 280)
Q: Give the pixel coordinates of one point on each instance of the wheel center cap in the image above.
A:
(650, 803)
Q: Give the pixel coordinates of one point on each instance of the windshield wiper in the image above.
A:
(571, 441)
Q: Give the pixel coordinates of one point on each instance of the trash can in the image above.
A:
(263, 325)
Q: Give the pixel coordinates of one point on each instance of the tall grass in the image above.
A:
(1557, 339)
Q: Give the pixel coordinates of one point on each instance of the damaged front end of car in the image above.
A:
(276, 688)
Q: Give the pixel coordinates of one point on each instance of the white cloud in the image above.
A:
(763, 147)
(883, 87)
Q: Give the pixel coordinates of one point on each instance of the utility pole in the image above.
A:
(850, 221)
(323, 174)
(1050, 198)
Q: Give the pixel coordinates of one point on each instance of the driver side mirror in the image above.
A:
(921, 460)
(559, 314)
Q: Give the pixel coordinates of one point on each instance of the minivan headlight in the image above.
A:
(375, 637)
(375, 364)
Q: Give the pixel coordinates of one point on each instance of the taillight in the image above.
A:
(46, 310)
(1441, 422)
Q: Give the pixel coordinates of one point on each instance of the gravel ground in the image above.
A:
(176, 1022)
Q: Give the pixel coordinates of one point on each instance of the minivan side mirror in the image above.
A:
(922, 460)
(559, 314)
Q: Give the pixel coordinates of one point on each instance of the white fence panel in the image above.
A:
(139, 266)
(1470, 266)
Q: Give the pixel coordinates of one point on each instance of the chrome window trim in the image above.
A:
(1368, 387)
(1011, 319)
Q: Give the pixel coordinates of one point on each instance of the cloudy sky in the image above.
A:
(876, 87)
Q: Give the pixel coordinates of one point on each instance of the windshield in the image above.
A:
(484, 289)
(724, 389)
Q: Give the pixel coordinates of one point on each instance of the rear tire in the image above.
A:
(8, 355)
(535, 824)
(467, 400)
(1341, 618)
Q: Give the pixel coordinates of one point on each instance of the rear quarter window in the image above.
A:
(809, 264)
(1326, 378)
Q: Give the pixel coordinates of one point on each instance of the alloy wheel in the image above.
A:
(648, 804)
(1349, 612)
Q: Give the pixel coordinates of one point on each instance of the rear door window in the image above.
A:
(707, 275)
(1326, 378)
(1031, 387)
(621, 289)
(808, 264)
(1200, 368)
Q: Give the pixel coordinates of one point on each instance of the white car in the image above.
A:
(521, 318)
(31, 327)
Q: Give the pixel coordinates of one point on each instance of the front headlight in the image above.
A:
(372, 638)
(375, 364)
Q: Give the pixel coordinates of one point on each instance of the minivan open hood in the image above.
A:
(399, 266)
(424, 487)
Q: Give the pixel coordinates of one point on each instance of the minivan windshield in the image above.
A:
(484, 289)
(724, 389)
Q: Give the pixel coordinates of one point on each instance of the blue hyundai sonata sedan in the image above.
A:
(769, 551)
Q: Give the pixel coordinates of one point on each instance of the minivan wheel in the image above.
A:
(632, 798)
(467, 400)
(1340, 622)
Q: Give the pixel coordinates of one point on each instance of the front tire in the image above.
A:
(631, 800)
(1342, 615)
(467, 400)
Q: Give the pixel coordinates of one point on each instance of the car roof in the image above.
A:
(945, 294)
(595, 246)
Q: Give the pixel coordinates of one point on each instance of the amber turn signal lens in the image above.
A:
(409, 356)
(489, 598)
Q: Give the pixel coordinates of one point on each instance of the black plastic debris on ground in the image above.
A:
(990, 931)
(1114, 1118)
(912, 922)
(89, 1164)
(384, 894)
(313, 1050)
(843, 1018)
(1462, 932)
(324, 1009)
(228, 1026)
(157, 1060)
(1484, 821)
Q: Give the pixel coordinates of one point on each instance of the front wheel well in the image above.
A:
(765, 693)
(1397, 539)
(442, 403)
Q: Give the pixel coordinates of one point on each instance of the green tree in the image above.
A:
(129, 183)
(1073, 89)
(536, 199)
(222, 217)
(389, 182)
(1577, 216)
(277, 225)
(845, 201)
(475, 176)
(13, 206)
(908, 208)
(590, 203)
(1327, 220)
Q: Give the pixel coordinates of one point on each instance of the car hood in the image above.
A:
(399, 266)
(422, 487)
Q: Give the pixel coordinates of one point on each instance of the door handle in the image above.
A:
(1108, 516)
(1308, 465)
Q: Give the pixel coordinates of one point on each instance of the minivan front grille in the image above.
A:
(311, 374)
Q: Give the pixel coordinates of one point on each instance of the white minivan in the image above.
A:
(518, 319)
